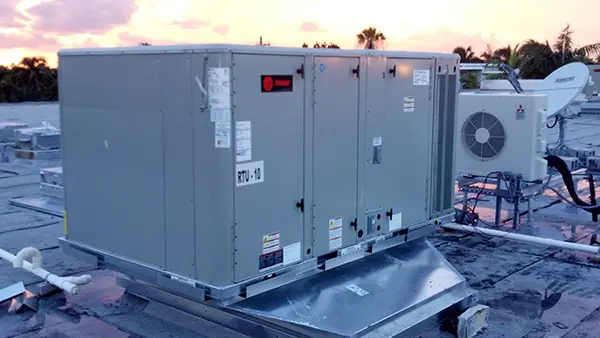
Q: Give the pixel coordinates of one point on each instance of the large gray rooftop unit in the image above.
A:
(218, 165)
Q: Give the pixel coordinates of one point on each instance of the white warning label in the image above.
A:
(222, 134)
(243, 141)
(219, 94)
(335, 233)
(409, 104)
(421, 77)
(270, 242)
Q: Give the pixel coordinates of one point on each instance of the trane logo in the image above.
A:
(565, 79)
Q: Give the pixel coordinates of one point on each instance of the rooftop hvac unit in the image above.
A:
(253, 167)
(502, 132)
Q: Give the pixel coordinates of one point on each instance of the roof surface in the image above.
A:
(533, 291)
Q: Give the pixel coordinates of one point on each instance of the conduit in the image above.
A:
(68, 284)
(523, 238)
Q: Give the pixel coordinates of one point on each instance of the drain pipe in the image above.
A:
(68, 284)
(523, 238)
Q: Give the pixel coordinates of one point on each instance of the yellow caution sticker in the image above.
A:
(65, 221)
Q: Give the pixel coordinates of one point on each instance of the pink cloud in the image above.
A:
(29, 41)
(67, 17)
(9, 16)
(221, 29)
(310, 26)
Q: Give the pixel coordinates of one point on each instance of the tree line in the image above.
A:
(33, 80)
(30, 80)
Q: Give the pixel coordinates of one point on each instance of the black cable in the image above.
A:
(555, 122)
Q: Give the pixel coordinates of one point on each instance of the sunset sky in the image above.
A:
(41, 27)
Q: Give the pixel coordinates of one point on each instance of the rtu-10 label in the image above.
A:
(249, 173)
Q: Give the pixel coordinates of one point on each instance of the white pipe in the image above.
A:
(33, 254)
(68, 284)
(523, 238)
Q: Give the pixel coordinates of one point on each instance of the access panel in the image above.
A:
(408, 143)
(335, 152)
(269, 159)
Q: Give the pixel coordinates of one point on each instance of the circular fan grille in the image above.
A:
(483, 135)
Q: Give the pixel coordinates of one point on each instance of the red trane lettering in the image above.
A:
(282, 83)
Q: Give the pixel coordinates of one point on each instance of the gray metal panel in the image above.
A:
(378, 188)
(361, 298)
(112, 130)
(335, 150)
(408, 144)
(213, 184)
(176, 105)
(277, 120)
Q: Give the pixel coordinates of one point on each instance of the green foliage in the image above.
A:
(322, 45)
(535, 59)
(469, 80)
(371, 38)
(30, 80)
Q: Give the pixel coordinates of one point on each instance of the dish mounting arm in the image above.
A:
(512, 76)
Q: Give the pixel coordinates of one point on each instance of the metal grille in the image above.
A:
(443, 172)
(449, 130)
(495, 137)
(438, 175)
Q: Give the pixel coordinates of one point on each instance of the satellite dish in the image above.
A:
(563, 85)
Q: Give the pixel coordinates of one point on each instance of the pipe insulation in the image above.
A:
(68, 284)
(523, 238)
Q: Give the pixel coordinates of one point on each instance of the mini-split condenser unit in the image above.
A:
(501, 132)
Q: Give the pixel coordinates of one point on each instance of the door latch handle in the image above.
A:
(356, 71)
(390, 214)
(353, 224)
(300, 71)
(300, 205)
(393, 71)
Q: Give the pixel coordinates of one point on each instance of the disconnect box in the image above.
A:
(223, 163)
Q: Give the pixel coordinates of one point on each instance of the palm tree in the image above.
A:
(371, 38)
(466, 55)
(539, 59)
(488, 55)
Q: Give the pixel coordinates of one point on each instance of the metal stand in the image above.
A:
(401, 291)
(512, 188)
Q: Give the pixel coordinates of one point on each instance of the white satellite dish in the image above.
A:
(563, 85)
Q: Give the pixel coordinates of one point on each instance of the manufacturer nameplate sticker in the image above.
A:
(292, 253)
(249, 173)
(219, 94)
(421, 77)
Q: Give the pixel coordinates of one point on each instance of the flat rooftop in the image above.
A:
(533, 291)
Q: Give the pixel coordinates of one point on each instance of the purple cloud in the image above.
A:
(221, 29)
(67, 17)
(191, 23)
(9, 16)
(311, 27)
(33, 41)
